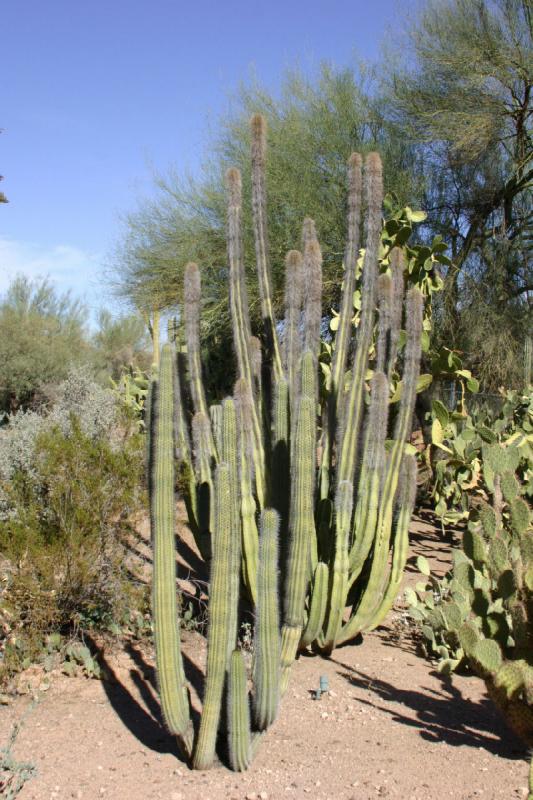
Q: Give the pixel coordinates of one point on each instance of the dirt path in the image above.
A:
(390, 727)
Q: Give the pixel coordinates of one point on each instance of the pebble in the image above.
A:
(176, 796)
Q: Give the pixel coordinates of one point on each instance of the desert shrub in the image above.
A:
(95, 409)
(64, 566)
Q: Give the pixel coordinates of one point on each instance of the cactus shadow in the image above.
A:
(440, 715)
(143, 721)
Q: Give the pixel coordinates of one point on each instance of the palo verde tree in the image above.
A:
(465, 94)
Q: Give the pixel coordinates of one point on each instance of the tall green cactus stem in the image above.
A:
(267, 627)
(351, 254)
(240, 316)
(312, 274)
(340, 353)
(231, 458)
(220, 642)
(239, 737)
(371, 476)
(294, 288)
(348, 431)
(371, 597)
(339, 577)
(407, 495)
(280, 454)
(171, 677)
(397, 265)
(248, 509)
(385, 314)
(192, 295)
(258, 127)
(302, 526)
(205, 493)
(215, 415)
(318, 606)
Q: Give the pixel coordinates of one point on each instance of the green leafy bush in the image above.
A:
(63, 562)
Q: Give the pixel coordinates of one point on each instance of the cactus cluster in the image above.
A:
(484, 615)
(299, 490)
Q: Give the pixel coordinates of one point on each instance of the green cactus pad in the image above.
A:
(474, 546)
(509, 486)
(487, 655)
(488, 519)
(520, 516)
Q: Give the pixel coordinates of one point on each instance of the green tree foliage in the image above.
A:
(464, 92)
(120, 342)
(453, 123)
(313, 128)
(41, 336)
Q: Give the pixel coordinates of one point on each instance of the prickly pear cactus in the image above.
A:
(481, 613)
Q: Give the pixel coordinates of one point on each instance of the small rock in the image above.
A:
(251, 796)
(263, 796)
(176, 796)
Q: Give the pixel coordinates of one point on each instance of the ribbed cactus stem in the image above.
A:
(397, 265)
(348, 432)
(406, 501)
(171, 678)
(192, 295)
(385, 314)
(339, 577)
(302, 532)
(267, 625)
(294, 290)
(374, 588)
(259, 213)
(342, 339)
(204, 480)
(230, 455)
(371, 475)
(239, 735)
(248, 509)
(351, 254)
(312, 275)
(240, 316)
(280, 453)
(237, 284)
(215, 415)
(220, 635)
(318, 605)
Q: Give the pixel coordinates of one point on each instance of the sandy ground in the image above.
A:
(390, 727)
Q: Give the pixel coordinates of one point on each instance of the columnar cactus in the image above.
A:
(302, 482)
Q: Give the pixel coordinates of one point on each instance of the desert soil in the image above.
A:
(390, 727)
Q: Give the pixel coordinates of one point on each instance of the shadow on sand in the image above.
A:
(442, 715)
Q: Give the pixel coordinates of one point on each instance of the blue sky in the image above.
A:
(96, 96)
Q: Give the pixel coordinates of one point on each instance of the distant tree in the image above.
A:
(465, 93)
(41, 336)
(119, 342)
